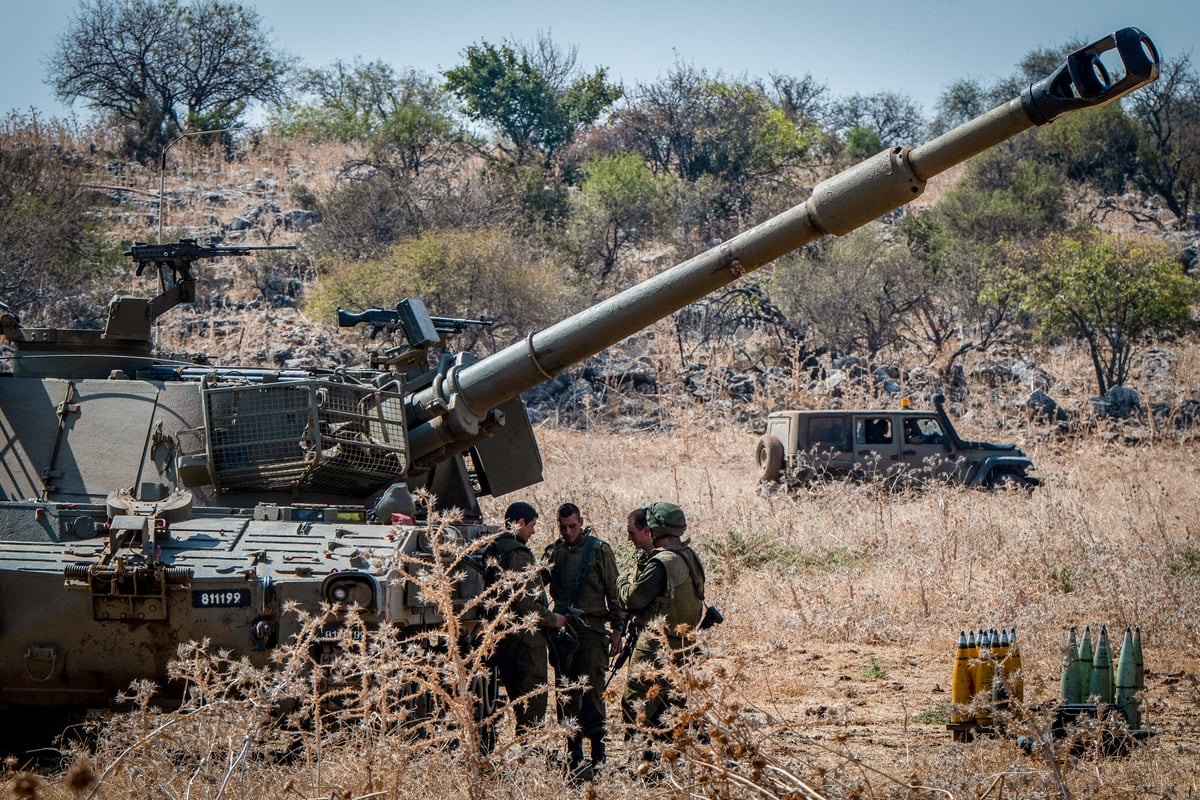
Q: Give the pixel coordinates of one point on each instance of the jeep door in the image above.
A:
(925, 451)
(826, 441)
(876, 444)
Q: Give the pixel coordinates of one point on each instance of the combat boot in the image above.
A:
(580, 769)
(575, 751)
(599, 751)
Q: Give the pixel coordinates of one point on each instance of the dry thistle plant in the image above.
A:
(345, 704)
(815, 586)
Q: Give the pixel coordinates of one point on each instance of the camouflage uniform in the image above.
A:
(668, 583)
(583, 579)
(521, 657)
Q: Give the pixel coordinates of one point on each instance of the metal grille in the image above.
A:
(318, 435)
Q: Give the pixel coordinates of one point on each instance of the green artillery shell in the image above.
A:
(1069, 689)
(1100, 684)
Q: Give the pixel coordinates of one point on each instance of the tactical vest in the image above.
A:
(502, 550)
(683, 601)
(567, 585)
(503, 547)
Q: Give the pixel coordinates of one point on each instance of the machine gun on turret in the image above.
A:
(410, 318)
(176, 283)
(125, 342)
(180, 255)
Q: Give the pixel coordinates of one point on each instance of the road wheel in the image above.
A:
(486, 690)
(769, 457)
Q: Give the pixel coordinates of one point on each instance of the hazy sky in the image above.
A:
(863, 46)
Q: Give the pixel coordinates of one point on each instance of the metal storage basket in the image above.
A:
(316, 435)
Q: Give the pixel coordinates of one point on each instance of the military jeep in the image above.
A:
(902, 446)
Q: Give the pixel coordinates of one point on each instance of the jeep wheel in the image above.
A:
(1009, 480)
(769, 457)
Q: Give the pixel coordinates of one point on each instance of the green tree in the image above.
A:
(693, 124)
(160, 67)
(725, 140)
(1004, 201)
(962, 100)
(1005, 198)
(1109, 292)
(801, 99)
(1097, 147)
(862, 142)
(535, 111)
(619, 204)
(406, 118)
(893, 116)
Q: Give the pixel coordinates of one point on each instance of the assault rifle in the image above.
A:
(180, 286)
(711, 617)
(631, 639)
(410, 317)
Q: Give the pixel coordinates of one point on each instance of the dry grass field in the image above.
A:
(830, 677)
(843, 604)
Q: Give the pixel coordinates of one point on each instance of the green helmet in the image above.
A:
(665, 519)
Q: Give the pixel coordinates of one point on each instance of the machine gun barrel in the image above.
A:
(458, 324)
(386, 317)
(185, 251)
(453, 407)
(409, 316)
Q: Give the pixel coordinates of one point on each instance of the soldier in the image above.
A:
(521, 656)
(668, 583)
(583, 585)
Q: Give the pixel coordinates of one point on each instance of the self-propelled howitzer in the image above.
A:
(148, 500)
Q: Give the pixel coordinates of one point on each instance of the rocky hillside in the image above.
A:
(252, 312)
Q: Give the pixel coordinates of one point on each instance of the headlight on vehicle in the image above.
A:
(350, 590)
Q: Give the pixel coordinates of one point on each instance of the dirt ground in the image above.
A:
(851, 663)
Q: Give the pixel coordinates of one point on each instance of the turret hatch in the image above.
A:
(73, 441)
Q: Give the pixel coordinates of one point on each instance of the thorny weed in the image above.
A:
(398, 701)
(776, 695)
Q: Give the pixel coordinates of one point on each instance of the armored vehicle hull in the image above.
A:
(100, 584)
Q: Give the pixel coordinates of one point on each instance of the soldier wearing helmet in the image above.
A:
(668, 583)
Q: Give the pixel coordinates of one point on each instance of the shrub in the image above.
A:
(49, 239)
(463, 273)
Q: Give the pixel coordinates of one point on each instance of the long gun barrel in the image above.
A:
(178, 255)
(453, 407)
